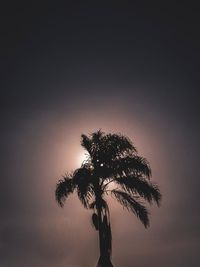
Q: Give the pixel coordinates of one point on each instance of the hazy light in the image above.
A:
(82, 157)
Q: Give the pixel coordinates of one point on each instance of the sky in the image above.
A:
(77, 68)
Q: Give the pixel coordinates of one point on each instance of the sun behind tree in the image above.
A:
(112, 159)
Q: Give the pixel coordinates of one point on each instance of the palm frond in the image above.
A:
(83, 181)
(86, 143)
(132, 205)
(63, 189)
(138, 185)
(97, 136)
(114, 146)
(131, 164)
(119, 143)
(85, 194)
(106, 147)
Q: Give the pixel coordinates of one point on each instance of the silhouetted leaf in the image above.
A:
(86, 143)
(63, 189)
(83, 180)
(130, 164)
(132, 205)
(145, 188)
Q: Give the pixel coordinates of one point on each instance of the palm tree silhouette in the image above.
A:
(112, 167)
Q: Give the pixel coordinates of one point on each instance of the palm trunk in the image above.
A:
(104, 238)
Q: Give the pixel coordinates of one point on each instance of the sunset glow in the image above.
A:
(82, 158)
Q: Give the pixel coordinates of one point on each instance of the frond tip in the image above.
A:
(144, 188)
(63, 189)
(132, 205)
(86, 143)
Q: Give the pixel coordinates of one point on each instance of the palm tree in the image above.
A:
(112, 167)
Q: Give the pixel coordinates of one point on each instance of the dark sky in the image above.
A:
(73, 69)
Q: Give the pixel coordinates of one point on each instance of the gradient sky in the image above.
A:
(68, 70)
